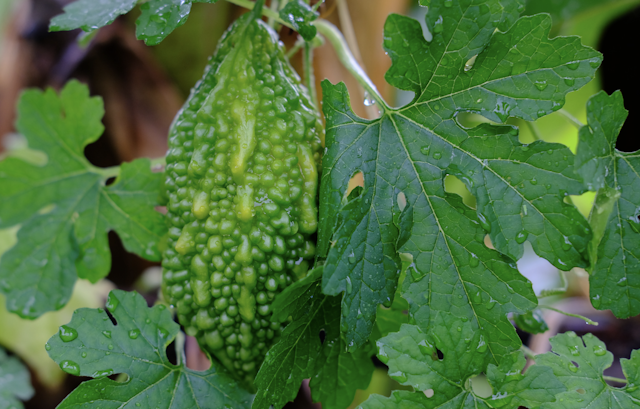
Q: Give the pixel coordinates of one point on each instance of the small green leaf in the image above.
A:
(615, 218)
(65, 207)
(295, 297)
(295, 356)
(531, 322)
(340, 373)
(159, 18)
(414, 359)
(300, 15)
(90, 14)
(579, 364)
(135, 346)
(15, 382)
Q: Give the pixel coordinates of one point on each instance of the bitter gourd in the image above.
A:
(241, 183)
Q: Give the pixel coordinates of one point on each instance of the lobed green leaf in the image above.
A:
(65, 207)
(579, 364)
(15, 382)
(482, 59)
(135, 344)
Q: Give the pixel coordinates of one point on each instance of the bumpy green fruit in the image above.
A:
(241, 183)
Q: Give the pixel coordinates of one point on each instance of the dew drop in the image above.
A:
(566, 246)
(47, 347)
(438, 25)
(572, 367)
(575, 351)
(368, 100)
(112, 303)
(70, 367)
(483, 222)
(448, 3)
(595, 301)
(67, 334)
(352, 257)
(437, 155)
(134, 333)
(473, 260)
(622, 282)
(522, 236)
(424, 150)
(107, 334)
(349, 285)
(541, 85)
(399, 376)
(534, 181)
(569, 81)
(573, 65)
(84, 355)
(100, 374)
(469, 64)
(482, 346)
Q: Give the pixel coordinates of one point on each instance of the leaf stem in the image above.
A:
(347, 59)
(556, 291)
(568, 314)
(614, 379)
(248, 4)
(352, 41)
(296, 47)
(528, 352)
(309, 77)
(535, 131)
(274, 7)
(575, 121)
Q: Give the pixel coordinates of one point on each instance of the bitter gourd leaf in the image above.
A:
(158, 18)
(301, 353)
(438, 365)
(15, 382)
(65, 208)
(482, 59)
(300, 15)
(579, 362)
(615, 218)
(241, 181)
(135, 345)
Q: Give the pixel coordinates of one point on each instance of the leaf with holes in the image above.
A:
(439, 363)
(64, 207)
(482, 59)
(91, 345)
(15, 382)
(615, 218)
(579, 364)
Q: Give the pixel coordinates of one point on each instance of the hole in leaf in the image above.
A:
(402, 201)
(323, 335)
(488, 243)
(581, 391)
(437, 355)
(171, 353)
(110, 181)
(480, 386)
(356, 180)
(111, 317)
(454, 185)
(429, 393)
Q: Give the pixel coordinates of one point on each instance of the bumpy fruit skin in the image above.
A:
(241, 183)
